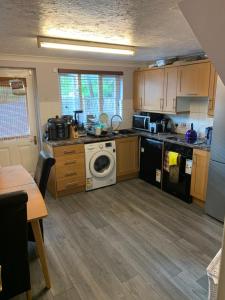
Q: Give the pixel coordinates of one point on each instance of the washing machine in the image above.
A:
(100, 161)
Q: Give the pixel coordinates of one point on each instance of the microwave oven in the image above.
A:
(141, 122)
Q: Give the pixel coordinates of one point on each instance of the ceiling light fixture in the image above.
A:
(78, 45)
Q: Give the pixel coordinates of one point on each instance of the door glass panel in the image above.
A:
(13, 110)
(102, 163)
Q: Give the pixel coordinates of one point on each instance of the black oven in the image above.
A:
(177, 180)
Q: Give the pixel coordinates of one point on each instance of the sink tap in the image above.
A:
(118, 116)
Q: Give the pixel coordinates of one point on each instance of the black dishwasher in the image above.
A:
(151, 161)
(181, 186)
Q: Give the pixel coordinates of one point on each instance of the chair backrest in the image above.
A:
(44, 165)
(14, 262)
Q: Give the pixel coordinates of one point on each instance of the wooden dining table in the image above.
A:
(16, 178)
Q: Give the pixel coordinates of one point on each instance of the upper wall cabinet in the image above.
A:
(193, 80)
(138, 91)
(153, 90)
(170, 90)
(158, 89)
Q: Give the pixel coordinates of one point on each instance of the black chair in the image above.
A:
(15, 274)
(43, 168)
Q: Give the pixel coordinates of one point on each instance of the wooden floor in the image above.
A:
(125, 242)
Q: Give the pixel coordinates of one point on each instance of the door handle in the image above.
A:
(35, 140)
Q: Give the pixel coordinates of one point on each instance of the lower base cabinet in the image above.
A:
(127, 158)
(199, 178)
(68, 174)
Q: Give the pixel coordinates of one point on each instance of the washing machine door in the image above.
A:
(102, 164)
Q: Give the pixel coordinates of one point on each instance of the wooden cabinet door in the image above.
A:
(187, 81)
(138, 91)
(203, 78)
(127, 157)
(212, 90)
(194, 80)
(170, 90)
(199, 178)
(154, 90)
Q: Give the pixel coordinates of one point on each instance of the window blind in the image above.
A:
(13, 112)
(94, 93)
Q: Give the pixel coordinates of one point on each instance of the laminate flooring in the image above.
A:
(125, 242)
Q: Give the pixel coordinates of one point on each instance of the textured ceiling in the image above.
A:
(156, 27)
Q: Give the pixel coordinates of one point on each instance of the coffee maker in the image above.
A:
(57, 129)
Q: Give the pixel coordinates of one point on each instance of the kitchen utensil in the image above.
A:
(191, 135)
(98, 131)
(104, 118)
(77, 117)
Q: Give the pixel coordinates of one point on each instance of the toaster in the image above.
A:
(155, 127)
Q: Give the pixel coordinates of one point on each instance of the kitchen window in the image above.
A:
(92, 92)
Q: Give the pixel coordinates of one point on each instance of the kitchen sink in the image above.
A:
(126, 131)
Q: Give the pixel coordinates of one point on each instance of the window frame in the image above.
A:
(102, 74)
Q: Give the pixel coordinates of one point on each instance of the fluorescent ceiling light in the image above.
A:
(86, 46)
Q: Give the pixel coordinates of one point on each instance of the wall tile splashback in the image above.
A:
(198, 116)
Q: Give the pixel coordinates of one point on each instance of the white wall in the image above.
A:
(48, 87)
(198, 116)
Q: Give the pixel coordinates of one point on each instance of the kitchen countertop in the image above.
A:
(164, 137)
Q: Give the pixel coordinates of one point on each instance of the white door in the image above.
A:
(18, 130)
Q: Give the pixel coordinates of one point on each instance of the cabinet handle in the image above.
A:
(70, 174)
(72, 184)
(174, 104)
(161, 103)
(72, 162)
(180, 79)
(69, 152)
(192, 94)
(194, 160)
(141, 102)
(210, 104)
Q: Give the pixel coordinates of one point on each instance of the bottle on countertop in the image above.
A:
(191, 135)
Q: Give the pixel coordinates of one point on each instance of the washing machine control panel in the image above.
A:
(108, 144)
